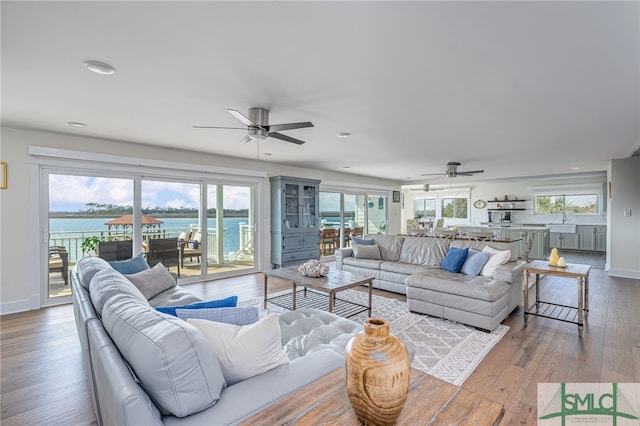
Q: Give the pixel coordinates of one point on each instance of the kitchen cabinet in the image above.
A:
(592, 237)
(601, 238)
(587, 236)
(564, 241)
(295, 231)
(540, 246)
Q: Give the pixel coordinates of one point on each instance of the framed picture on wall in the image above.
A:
(396, 196)
(3, 175)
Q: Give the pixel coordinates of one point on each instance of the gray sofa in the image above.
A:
(411, 266)
(126, 378)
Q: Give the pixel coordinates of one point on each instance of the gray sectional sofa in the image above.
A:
(411, 266)
(148, 368)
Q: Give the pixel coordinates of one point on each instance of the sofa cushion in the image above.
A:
(479, 287)
(390, 245)
(424, 251)
(403, 268)
(498, 257)
(475, 262)
(244, 351)
(174, 296)
(229, 302)
(366, 252)
(87, 268)
(108, 283)
(243, 315)
(130, 266)
(361, 241)
(454, 259)
(175, 364)
(363, 263)
(152, 281)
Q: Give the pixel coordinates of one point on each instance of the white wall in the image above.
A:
(19, 263)
(624, 231)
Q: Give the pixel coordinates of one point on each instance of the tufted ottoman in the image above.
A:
(308, 330)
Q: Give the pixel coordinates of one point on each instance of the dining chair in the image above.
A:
(165, 251)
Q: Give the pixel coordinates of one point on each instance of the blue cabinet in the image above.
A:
(294, 220)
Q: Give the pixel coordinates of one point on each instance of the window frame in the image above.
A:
(568, 191)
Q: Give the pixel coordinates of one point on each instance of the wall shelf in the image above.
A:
(505, 209)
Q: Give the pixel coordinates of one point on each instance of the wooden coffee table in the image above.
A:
(548, 309)
(430, 401)
(334, 282)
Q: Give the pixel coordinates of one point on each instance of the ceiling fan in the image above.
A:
(258, 127)
(452, 171)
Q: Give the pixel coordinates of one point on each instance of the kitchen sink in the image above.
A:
(565, 228)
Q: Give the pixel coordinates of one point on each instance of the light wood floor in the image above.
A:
(42, 378)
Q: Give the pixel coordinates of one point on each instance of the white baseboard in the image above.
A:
(14, 307)
(624, 273)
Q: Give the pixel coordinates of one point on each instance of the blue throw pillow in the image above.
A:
(243, 315)
(476, 260)
(229, 302)
(130, 266)
(361, 241)
(454, 259)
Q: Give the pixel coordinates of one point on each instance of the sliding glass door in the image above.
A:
(80, 207)
(344, 216)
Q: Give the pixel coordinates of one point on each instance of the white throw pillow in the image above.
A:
(498, 257)
(244, 351)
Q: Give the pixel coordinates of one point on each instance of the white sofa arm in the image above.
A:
(510, 272)
(341, 254)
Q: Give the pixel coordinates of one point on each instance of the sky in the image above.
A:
(72, 193)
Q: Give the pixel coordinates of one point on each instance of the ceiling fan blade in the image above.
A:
(289, 126)
(433, 174)
(470, 172)
(241, 117)
(285, 138)
(246, 139)
(216, 127)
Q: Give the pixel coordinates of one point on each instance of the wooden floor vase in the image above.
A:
(377, 374)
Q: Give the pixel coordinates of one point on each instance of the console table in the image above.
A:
(548, 309)
(430, 401)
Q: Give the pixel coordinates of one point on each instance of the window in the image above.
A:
(424, 208)
(455, 208)
(567, 204)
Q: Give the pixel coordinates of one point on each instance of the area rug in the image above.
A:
(444, 349)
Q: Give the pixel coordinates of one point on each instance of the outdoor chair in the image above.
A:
(191, 247)
(165, 251)
(115, 250)
(59, 262)
(328, 241)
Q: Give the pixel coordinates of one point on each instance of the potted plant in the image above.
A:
(89, 244)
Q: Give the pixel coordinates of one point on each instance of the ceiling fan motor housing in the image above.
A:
(452, 169)
(260, 116)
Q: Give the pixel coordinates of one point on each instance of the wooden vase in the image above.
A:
(377, 365)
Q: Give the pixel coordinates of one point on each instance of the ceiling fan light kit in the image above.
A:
(258, 127)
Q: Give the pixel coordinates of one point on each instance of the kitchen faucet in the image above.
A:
(564, 217)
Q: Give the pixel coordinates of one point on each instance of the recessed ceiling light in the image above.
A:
(100, 67)
(267, 154)
(343, 134)
(347, 167)
(575, 168)
(77, 124)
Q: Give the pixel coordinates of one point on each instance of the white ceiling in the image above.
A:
(515, 88)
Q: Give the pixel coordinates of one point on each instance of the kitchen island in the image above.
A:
(533, 239)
